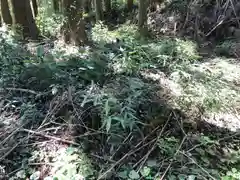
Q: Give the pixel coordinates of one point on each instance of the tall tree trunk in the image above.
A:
(142, 15)
(98, 9)
(107, 5)
(129, 5)
(5, 12)
(56, 5)
(61, 6)
(87, 5)
(23, 16)
(35, 8)
(73, 30)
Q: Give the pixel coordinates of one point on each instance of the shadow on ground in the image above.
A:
(52, 121)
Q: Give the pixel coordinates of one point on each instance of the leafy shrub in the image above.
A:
(175, 50)
(49, 25)
(128, 32)
(101, 35)
(227, 48)
(119, 108)
(29, 113)
(166, 54)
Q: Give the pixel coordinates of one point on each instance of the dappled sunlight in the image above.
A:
(207, 89)
(228, 68)
(117, 92)
(56, 160)
(228, 119)
(102, 35)
(170, 88)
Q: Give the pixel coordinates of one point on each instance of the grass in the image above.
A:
(119, 109)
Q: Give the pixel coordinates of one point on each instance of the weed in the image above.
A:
(227, 48)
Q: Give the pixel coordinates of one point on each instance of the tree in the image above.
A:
(56, 5)
(142, 15)
(5, 12)
(23, 16)
(107, 5)
(73, 29)
(35, 8)
(129, 5)
(87, 5)
(98, 9)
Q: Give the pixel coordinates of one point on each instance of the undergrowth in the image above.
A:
(120, 122)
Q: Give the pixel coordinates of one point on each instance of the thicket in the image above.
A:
(99, 105)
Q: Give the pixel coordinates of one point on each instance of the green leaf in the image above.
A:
(54, 90)
(205, 160)
(172, 177)
(234, 170)
(181, 177)
(123, 174)
(145, 171)
(121, 120)
(40, 51)
(210, 151)
(107, 108)
(133, 175)
(152, 163)
(200, 151)
(108, 123)
(135, 83)
(191, 177)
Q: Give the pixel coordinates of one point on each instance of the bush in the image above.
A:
(49, 25)
(119, 108)
(227, 48)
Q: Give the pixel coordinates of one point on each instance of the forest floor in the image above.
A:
(133, 109)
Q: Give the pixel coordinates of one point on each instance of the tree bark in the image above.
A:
(87, 6)
(107, 5)
(56, 5)
(129, 5)
(35, 8)
(142, 15)
(73, 29)
(98, 9)
(23, 16)
(5, 12)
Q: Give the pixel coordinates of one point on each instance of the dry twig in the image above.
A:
(144, 159)
(51, 137)
(176, 153)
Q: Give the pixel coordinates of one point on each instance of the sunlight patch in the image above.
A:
(227, 120)
(169, 86)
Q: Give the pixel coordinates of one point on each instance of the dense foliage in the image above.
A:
(113, 99)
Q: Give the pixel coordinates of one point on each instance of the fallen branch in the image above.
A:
(21, 90)
(176, 153)
(16, 145)
(51, 137)
(144, 159)
(205, 171)
(124, 157)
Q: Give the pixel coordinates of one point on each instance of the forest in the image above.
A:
(119, 90)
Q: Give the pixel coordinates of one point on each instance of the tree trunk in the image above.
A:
(23, 16)
(56, 5)
(35, 8)
(0, 20)
(142, 15)
(87, 6)
(5, 12)
(98, 9)
(129, 5)
(107, 5)
(73, 30)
